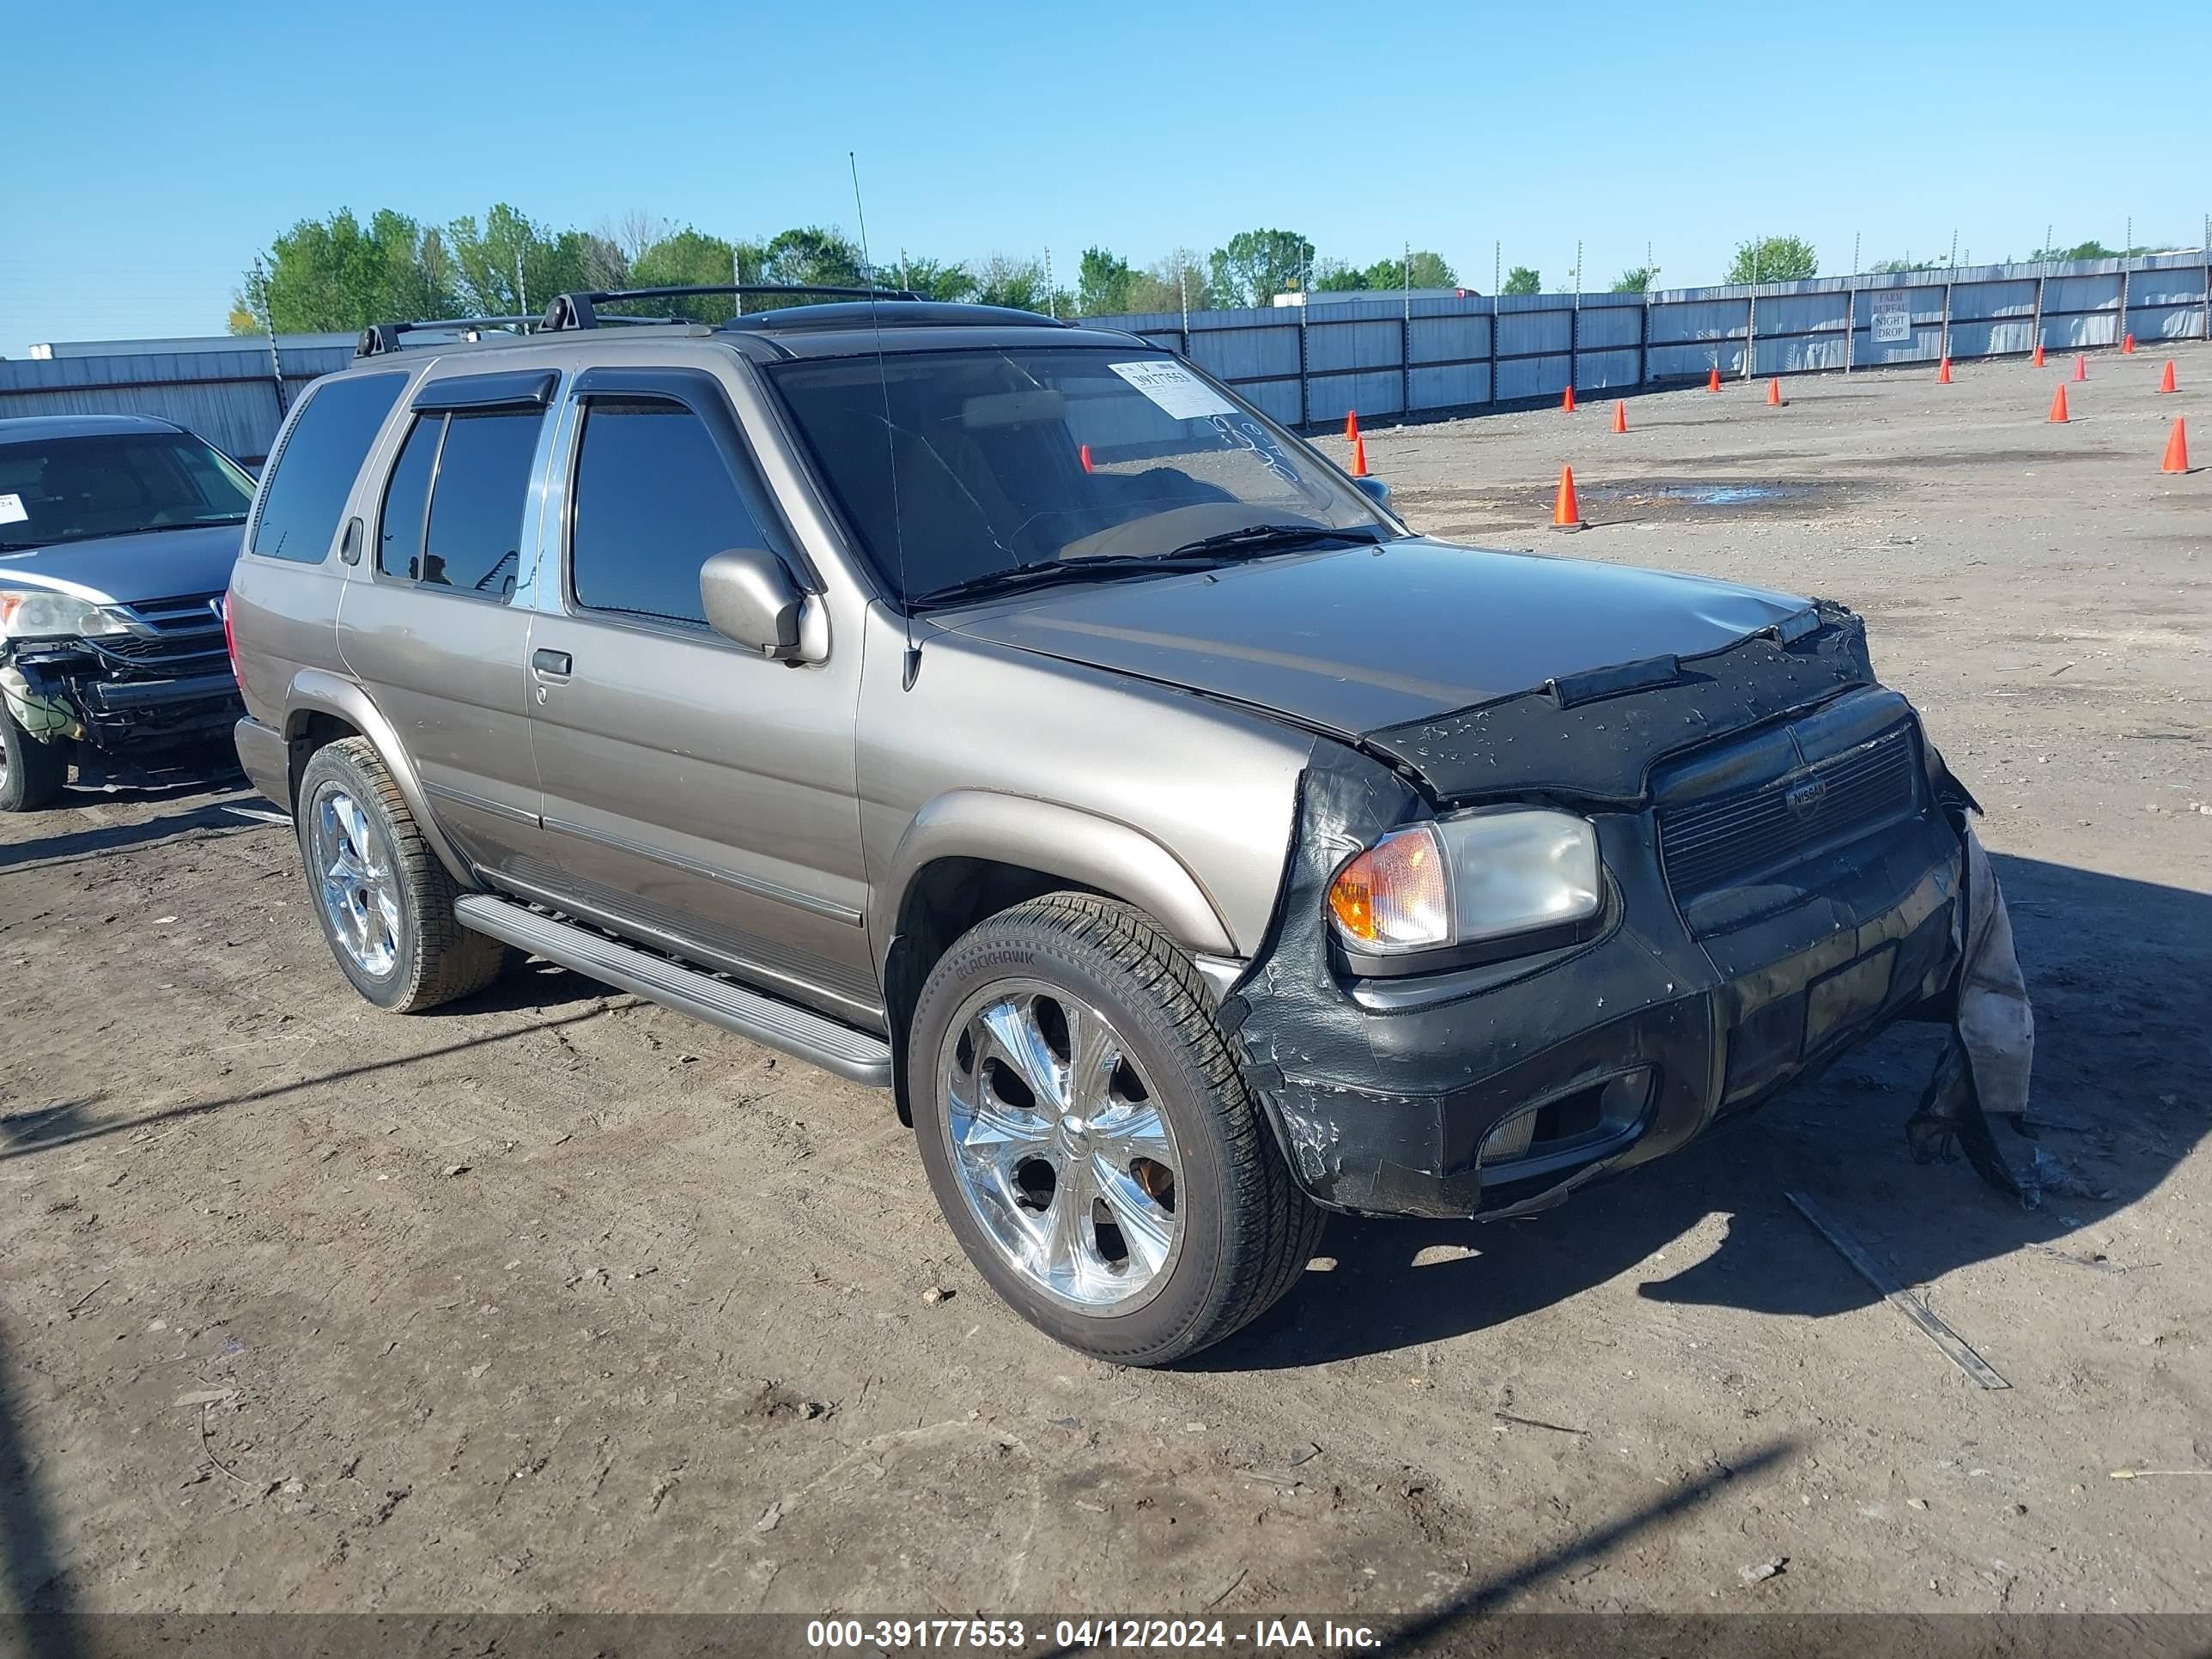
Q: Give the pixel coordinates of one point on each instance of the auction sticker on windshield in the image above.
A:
(1178, 392)
(12, 510)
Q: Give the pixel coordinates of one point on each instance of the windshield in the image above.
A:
(1004, 458)
(117, 483)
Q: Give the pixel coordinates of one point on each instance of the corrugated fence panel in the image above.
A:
(1331, 397)
(1331, 346)
(1451, 387)
(1449, 339)
(1245, 353)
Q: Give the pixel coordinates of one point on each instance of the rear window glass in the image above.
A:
(474, 541)
(311, 476)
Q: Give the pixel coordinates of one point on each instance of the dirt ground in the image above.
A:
(554, 1299)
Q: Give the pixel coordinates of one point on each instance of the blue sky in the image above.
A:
(153, 149)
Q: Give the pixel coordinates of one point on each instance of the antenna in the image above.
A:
(891, 446)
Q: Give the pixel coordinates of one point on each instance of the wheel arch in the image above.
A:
(972, 853)
(322, 708)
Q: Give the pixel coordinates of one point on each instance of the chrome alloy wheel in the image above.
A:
(1060, 1146)
(359, 892)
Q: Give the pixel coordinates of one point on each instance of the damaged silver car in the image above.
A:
(1010, 715)
(116, 537)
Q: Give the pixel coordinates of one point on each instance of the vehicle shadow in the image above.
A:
(66, 846)
(2116, 968)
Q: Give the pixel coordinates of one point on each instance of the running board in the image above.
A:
(820, 1041)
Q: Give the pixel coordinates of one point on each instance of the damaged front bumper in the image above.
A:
(99, 696)
(1747, 938)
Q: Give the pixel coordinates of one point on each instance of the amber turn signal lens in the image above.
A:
(1395, 893)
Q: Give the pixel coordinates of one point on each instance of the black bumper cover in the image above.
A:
(1383, 1092)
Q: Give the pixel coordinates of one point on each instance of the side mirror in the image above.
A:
(750, 599)
(1374, 489)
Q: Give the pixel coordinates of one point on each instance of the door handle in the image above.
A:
(551, 662)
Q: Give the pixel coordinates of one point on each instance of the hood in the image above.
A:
(1360, 638)
(160, 564)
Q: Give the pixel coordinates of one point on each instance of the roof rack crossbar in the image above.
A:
(580, 310)
(378, 338)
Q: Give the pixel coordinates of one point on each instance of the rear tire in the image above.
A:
(1186, 1224)
(32, 774)
(384, 901)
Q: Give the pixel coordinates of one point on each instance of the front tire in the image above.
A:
(1090, 1138)
(32, 774)
(384, 902)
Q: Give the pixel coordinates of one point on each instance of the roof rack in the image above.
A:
(378, 338)
(580, 310)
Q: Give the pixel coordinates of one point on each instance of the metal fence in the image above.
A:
(233, 398)
(1309, 365)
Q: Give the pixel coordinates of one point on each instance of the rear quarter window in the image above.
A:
(313, 471)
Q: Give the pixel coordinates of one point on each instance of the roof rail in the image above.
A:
(378, 338)
(580, 310)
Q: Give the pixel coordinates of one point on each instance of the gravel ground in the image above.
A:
(556, 1300)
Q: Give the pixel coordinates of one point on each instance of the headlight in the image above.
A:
(34, 613)
(1467, 881)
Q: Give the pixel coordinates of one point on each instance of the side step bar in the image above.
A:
(856, 1056)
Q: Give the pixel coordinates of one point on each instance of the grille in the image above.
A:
(192, 613)
(1713, 844)
(184, 635)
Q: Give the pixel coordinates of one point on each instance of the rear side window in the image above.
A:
(471, 471)
(311, 476)
(653, 502)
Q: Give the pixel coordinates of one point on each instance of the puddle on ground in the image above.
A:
(1691, 492)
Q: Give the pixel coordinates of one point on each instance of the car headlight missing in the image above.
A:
(1470, 879)
(38, 613)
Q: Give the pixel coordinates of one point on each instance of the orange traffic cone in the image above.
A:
(2177, 450)
(1086, 458)
(2165, 381)
(2039, 353)
(1566, 511)
(2081, 366)
(1774, 392)
(1358, 456)
(2058, 403)
(1620, 417)
(1944, 374)
(1352, 426)
(2128, 345)
(1713, 377)
(1567, 403)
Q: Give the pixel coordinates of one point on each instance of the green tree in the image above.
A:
(934, 279)
(687, 257)
(1165, 285)
(1257, 265)
(335, 273)
(1636, 279)
(512, 266)
(1424, 269)
(813, 255)
(1103, 283)
(1898, 267)
(1774, 259)
(1010, 280)
(2090, 250)
(1523, 279)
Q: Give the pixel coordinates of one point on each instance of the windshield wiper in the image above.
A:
(1044, 573)
(1273, 537)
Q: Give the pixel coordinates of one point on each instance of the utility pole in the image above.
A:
(1855, 253)
(737, 276)
(269, 329)
(521, 293)
(1051, 301)
(1496, 268)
